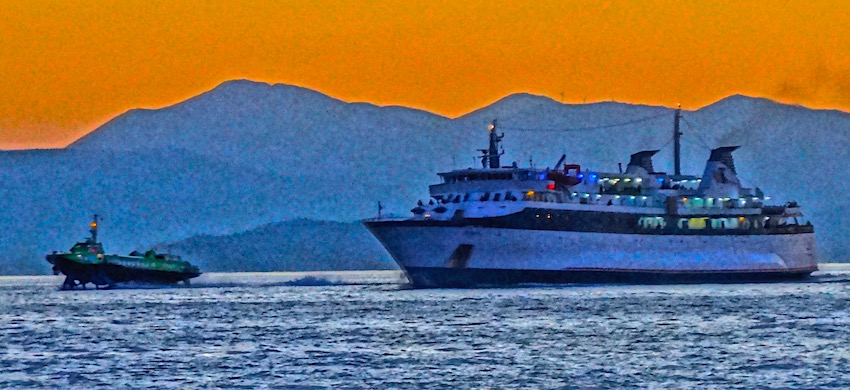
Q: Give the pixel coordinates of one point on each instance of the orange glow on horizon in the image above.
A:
(69, 66)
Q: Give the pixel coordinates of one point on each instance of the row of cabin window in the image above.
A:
(496, 176)
(508, 196)
(700, 223)
(481, 176)
(456, 198)
(720, 223)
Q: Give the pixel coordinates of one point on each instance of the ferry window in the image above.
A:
(457, 199)
(497, 197)
(509, 196)
(652, 222)
(717, 223)
(485, 197)
(696, 223)
(466, 197)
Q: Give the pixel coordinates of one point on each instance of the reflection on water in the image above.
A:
(366, 330)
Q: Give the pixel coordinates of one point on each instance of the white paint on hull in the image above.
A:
(495, 248)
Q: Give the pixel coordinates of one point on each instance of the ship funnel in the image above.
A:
(641, 160)
(720, 178)
(724, 155)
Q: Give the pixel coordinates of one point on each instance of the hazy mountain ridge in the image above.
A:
(143, 199)
(246, 154)
(297, 245)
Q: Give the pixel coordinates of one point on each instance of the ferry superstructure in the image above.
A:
(502, 225)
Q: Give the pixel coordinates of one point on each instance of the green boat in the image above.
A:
(86, 263)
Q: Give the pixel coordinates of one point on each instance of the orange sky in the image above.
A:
(67, 66)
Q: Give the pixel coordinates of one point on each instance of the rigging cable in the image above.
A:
(669, 141)
(695, 133)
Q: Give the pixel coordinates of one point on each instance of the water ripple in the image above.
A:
(250, 331)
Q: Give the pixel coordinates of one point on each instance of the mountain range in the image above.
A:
(246, 154)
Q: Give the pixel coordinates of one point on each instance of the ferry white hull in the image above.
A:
(434, 256)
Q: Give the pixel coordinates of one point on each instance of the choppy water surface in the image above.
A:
(365, 330)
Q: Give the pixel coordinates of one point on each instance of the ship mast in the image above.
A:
(490, 156)
(677, 135)
(93, 230)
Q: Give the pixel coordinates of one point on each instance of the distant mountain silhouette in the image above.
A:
(246, 154)
(302, 245)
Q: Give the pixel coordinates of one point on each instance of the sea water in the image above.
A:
(370, 330)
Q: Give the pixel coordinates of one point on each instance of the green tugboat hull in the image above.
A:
(87, 263)
(108, 274)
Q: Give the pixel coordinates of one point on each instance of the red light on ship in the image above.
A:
(550, 186)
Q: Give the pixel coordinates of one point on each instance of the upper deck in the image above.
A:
(494, 190)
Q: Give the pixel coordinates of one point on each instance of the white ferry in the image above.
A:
(502, 225)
